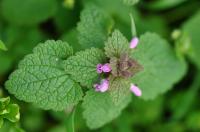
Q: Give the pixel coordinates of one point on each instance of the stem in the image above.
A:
(70, 121)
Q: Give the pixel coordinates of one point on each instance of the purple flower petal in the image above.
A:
(106, 68)
(104, 85)
(137, 91)
(134, 42)
(97, 87)
(99, 68)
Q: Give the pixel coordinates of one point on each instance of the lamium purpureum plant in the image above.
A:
(102, 76)
(52, 77)
(124, 67)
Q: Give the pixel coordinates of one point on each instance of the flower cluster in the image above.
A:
(103, 68)
(106, 68)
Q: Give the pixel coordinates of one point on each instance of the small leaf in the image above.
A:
(82, 66)
(119, 89)
(99, 108)
(116, 45)
(2, 46)
(3, 103)
(8, 111)
(94, 27)
(13, 114)
(161, 68)
(41, 79)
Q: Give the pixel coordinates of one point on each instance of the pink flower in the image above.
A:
(106, 68)
(99, 68)
(103, 68)
(137, 91)
(103, 86)
(134, 42)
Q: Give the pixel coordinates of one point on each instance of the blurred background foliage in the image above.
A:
(25, 23)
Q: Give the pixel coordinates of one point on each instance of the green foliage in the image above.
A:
(146, 112)
(19, 41)
(192, 32)
(28, 12)
(116, 45)
(41, 80)
(8, 111)
(165, 4)
(119, 90)
(93, 28)
(160, 64)
(10, 127)
(82, 66)
(58, 76)
(193, 121)
(130, 2)
(2, 46)
(71, 38)
(99, 108)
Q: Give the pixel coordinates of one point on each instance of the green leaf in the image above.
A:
(41, 79)
(71, 38)
(3, 103)
(161, 68)
(11, 127)
(2, 46)
(94, 27)
(116, 45)
(192, 30)
(119, 89)
(193, 120)
(99, 108)
(8, 111)
(13, 114)
(130, 2)
(25, 12)
(82, 66)
(165, 4)
(19, 41)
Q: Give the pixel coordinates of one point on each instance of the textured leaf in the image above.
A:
(54, 48)
(2, 46)
(119, 89)
(161, 68)
(93, 28)
(99, 108)
(82, 66)
(116, 45)
(28, 12)
(40, 78)
(191, 28)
